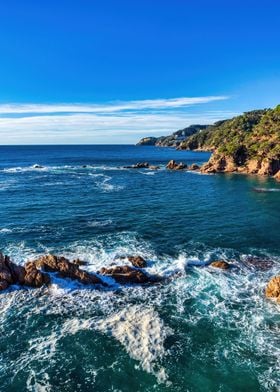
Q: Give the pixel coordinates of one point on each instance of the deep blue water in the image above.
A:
(204, 331)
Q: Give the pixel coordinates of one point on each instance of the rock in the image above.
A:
(260, 263)
(128, 275)
(220, 264)
(277, 176)
(79, 262)
(273, 288)
(194, 166)
(219, 164)
(139, 165)
(37, 166)
(33, 277)
(137, 261)
(66, 269)
(28, 275)
(173, 165)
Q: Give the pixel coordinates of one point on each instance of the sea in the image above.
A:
(202, 330)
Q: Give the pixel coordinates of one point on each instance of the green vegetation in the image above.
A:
(254, 134)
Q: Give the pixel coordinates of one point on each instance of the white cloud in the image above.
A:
(110, 107)
(119, 122)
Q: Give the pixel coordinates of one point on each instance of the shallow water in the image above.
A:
(205, 330)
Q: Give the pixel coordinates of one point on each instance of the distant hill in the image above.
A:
(174, 139)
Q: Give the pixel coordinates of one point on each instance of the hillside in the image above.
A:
(249, 143)
(174, 139)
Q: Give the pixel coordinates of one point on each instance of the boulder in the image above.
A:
(277, 176)
(128, 275)
(220, 264)
(173, 165)
(66, 269)
(194, 166)
(273, 288)
(137, 261)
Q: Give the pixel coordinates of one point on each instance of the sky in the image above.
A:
(113, 71)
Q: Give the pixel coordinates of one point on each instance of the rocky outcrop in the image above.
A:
(220, 264)
(147, 141)
(173, 165)
(142, 165)
(219, 164)
(228, 164)
(273, 288)
(194, 167)
(128, 275)
(66, 269)
(11, 273)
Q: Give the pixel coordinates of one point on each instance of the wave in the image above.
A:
(201, 299)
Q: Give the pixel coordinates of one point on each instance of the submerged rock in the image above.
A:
(66, 269)
(125, 275)
(142, 165)
(220, 264)
(173, 165)
(260, 263)
(273, 288)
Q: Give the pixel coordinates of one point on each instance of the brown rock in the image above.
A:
(137, 261)
(194, 166)
(33, 277)
(220, 264)
(28, 275)
(173, 165)
(125, 275)
(219, 164)
(277, 176)
(273, 288)
(66, 269)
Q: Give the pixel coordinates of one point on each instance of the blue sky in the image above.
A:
(113, 71)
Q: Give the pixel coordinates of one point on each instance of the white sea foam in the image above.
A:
(5, 230)
(142, 333)
(232, 301)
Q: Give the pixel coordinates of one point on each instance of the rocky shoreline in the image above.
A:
(37, 273)
(220, 164)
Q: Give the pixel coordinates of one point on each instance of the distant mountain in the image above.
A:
(173, 140)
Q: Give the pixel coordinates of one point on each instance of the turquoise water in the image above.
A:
(205, 330)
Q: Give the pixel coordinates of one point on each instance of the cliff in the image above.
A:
(246, 144)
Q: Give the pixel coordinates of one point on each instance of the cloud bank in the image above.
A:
(113, 122)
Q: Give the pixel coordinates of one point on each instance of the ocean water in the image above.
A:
(203, 330)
